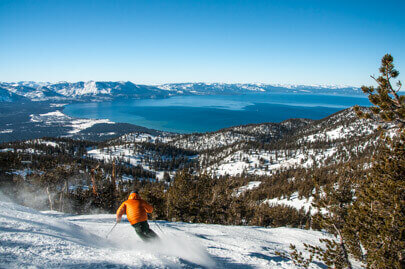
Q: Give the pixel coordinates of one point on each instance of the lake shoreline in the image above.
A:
(208, 113)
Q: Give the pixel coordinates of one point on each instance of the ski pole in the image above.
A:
(111, 229)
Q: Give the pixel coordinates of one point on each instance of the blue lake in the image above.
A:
(187, 114)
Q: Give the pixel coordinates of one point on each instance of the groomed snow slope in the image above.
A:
(29, 238)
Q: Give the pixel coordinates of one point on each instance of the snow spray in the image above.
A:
(185, 247)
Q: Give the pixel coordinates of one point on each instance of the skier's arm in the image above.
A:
(148, 207)
(121, 211)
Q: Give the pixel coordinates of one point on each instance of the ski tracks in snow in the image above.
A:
(29, 238)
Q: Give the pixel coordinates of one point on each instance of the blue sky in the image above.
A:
(303, 42)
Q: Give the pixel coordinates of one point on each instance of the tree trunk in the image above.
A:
(343, 247)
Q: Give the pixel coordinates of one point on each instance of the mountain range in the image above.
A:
(107, 90)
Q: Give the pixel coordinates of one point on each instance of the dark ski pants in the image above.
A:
(144, 232)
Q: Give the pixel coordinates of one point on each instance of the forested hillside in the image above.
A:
(250, 172)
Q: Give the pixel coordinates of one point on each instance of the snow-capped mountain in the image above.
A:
(9, 96)
(81, 91)
(107, 90)
(210, 88)
(237, 88)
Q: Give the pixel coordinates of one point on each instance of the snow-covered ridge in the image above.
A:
(55, 240)
(86, 88)
(107, 90)
(327, 141)
(246, 149)
(252, 86)
(184, 85)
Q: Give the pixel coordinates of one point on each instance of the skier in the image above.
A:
(136, 210)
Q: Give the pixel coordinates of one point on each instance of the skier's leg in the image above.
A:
(148, 232)
(152, 234)
(140, 231)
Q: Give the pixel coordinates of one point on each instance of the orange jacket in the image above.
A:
(135, 208)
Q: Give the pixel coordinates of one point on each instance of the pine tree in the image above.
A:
(389, 106)
(377, 218)
(177, 198)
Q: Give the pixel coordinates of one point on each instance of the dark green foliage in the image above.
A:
(278, 215)
(377, 218)
(211, 200)
(332, 201)
(155, 195)
(333, 255)
(203, 199)
(388, 104)
(297, 258)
